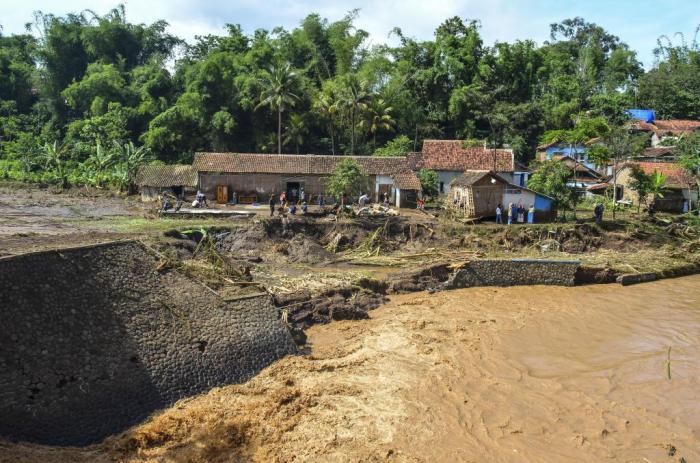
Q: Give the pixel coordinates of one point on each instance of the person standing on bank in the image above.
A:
(521, 213)
(272, 204)
(531, 214)
(499, 214)
(511, 213)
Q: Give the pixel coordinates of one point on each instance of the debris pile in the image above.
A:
(376, 210)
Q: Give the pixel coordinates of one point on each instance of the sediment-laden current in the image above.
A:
(521, 374)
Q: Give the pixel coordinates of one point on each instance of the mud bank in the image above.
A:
(96, 338)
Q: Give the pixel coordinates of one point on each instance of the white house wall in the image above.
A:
(526, 197)
(445, 177)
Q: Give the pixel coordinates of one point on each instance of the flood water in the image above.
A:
(614, 341)
(560, 374)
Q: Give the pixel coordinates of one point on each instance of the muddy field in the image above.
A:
(508, 374)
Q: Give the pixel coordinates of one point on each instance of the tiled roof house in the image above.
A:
(257, 175)
(449, 158)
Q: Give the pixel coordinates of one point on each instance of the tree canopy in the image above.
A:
(86, 79)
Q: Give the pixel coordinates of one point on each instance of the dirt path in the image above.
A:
(534, 374)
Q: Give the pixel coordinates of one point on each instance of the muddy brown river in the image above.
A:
(522, 374)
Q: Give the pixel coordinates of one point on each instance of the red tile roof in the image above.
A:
(667, 127)
(676, 176)
(257, 163)
(406, 181)
(450, 155)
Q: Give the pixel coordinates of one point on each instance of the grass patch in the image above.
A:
(146, 225)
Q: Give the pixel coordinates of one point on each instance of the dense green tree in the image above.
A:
(347, 179)
(377, 118)
(85, 78)
(353, 100)
(640, 183)
(295, 131)
(428, 182)
(399, 146)
(688, 149)
(552, 178)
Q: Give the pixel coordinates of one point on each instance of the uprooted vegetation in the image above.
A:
(292, 248)
(321, 270)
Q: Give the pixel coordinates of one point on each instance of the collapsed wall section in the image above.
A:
(94, 339)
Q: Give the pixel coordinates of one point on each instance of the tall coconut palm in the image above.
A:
(378, 118)
(278, 85)
(354, 101)
(295, 131)
(325, 103)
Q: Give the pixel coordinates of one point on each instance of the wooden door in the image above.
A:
(222, 194)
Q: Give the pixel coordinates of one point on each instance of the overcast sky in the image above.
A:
(637, 22)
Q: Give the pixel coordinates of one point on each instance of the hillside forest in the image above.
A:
(84, 97)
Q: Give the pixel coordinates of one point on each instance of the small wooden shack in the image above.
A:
(476, 193)
(154, 180)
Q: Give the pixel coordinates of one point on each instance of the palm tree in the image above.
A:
(296, 130)
(326, 104)
(277, 92)
(53, 156)
(354, 101)
(378, 118)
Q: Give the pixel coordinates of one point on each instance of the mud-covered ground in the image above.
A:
(534, 374)
(512, 374)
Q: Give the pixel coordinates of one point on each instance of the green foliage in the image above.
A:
(347, 179)
(657, 185)
(672, 87)
(428, 182)
(92, 79)
(296, 130)
(399, 146)
(551, 178)
(640, 183)
(688, 149)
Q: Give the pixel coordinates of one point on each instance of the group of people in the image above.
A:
(515, 213)
(290, 206)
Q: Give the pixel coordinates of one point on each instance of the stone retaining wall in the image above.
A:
(514, 272)
(94, 339)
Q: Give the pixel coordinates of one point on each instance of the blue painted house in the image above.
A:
(553, 150)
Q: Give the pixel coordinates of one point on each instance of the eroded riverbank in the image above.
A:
(480, 374)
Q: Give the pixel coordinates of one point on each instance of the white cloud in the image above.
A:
(502, 20)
